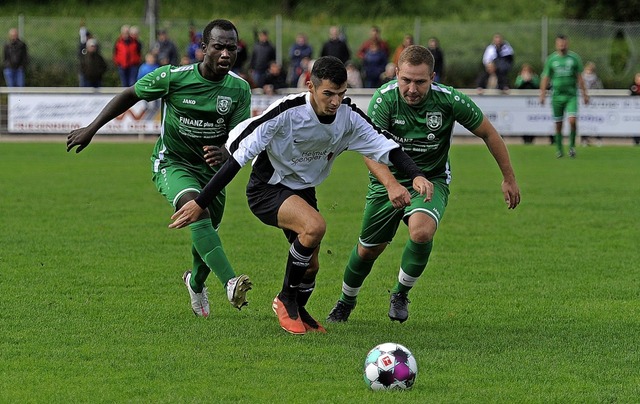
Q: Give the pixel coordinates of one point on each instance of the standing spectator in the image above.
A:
(336, 45)
(374, 36)
(298, 51)
(590, 77)
(92, 65)
(438, 56)
(374, 61)
(354, 77)
(127, 57)
(193, 47)
(241, 60)
(275, 78)
(634, 90)
(563, 69)
(527, 78)
(500, 53)
(591, 81)
(150, 64)
(406, 41)
(263, 53)
(15, 60)
(165, 50)
(84, 35)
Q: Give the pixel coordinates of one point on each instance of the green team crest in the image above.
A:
(223, 106)
(434, 120)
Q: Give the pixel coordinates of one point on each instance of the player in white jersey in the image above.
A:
(294, 144)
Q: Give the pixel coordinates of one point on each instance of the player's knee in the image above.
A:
(370, 253)
(421, 235)
(315, 229)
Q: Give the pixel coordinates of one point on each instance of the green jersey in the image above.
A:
(424, 131)
(195, 111)
(563, 71)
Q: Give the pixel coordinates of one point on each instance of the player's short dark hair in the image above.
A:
(561, 36)
(328, 68)
(224, 25)
(417, 55)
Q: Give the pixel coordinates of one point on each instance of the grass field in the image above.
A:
(540, 304)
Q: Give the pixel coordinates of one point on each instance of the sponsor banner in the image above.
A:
(511, 114)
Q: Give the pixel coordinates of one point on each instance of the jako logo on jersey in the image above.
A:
(399, 121)
(186, 101)
(223, 106)
(434, 120)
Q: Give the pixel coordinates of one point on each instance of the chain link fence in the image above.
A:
(614, 47)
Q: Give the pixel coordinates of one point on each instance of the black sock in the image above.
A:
(297, 264)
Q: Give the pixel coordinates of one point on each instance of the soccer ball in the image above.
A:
(390, 366)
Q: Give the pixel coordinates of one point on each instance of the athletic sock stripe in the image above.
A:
(350, 291)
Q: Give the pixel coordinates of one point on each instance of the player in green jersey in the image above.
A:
(421, 115)
(201, 103)
(563, 69)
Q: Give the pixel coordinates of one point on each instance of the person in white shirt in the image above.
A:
(500, 53)
(294, 144)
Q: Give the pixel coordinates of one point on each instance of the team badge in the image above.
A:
(434, 120)
(223, 105)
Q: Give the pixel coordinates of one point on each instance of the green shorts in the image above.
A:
(561, 104)
(174, 180)
(381, 220)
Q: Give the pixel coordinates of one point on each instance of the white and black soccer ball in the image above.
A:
(390, 366)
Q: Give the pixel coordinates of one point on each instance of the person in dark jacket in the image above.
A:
(336, 46)
(92, 65)
(263, 53)
(15, 60)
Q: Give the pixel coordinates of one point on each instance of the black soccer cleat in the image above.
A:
(340, 312)
(398, 307)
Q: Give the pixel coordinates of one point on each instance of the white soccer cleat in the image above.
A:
(237, 289)
(199, 301)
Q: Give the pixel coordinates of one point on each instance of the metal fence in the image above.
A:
(614, 47)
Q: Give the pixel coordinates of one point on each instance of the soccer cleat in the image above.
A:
(237, 289)
(572, 153)
(340, 312)
(398, 307)
(288, 316)
(559, 155)
(199, 301)
(310, 324)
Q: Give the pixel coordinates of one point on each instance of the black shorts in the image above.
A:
(265, 201)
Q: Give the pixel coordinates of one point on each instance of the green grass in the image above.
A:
(540, 304)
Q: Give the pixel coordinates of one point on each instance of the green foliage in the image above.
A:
(538, 305)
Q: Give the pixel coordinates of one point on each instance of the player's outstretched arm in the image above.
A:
(119, 104)
(398, 195)
(187, 214)
(498, 150)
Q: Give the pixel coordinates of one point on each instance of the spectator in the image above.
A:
(92, 65)
(388, 74)
(374, 36)
(591, 81)
(150, 64)
(354, 77)
(500, 53)
(307, 65)
(406, 41)
(15, 60)
(165, 50)
(134, 33)
(634, 90)
(275, 78)
(243, 55)
(438, 56)
(336, 45)
(590, 77)
(263, 54)
(374, 62)
(84, 35)
(527, 78)
(127, 57)
(488, 79)
(194, 46)
(299, 50)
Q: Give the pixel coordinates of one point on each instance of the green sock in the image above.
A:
(199, 272)
(354, 274)
(572, 139)
(558, 137)
(209, 247)
(414, 260)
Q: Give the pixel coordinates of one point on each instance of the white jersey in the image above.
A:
(296, 149)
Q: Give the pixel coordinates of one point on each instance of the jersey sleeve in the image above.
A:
(242, 111)
(379, 112)
(466, 112)
(546, 70)
(154, 85)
